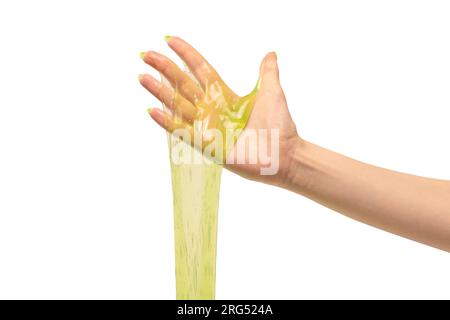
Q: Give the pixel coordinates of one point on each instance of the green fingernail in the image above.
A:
(167, 38)
(149, 110)
(142, 55)
(276, 56)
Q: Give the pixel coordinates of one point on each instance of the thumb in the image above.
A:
(268, 72)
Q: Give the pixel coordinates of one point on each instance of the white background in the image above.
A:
(85, 194)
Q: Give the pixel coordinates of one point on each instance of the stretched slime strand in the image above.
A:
(196, 188)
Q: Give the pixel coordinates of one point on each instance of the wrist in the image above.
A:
(299, 166)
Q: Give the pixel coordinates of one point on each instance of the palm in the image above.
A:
(269, 112)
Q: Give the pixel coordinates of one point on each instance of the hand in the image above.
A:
(407, 205)
(213, 103)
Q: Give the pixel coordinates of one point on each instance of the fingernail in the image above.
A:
(167, 38)
(149, 110)
(276, 56)
(142, 54)
(140, 77)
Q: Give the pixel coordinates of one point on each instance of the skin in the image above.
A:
(414, 207)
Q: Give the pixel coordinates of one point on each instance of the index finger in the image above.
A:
(198, 65)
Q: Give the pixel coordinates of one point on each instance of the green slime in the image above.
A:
(196, 192)
(195, 204)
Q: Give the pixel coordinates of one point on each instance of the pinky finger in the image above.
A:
(166, 121)
(183, 130)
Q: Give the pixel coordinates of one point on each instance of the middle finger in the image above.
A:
(182, 83)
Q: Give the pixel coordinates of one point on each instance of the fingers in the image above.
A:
(178, 79)
(165, 120)
(177, 103)
(198, 65)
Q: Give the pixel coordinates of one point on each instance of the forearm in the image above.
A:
(413, 207)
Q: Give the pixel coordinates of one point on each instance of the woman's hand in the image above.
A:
(413, 207)
(263, 113)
